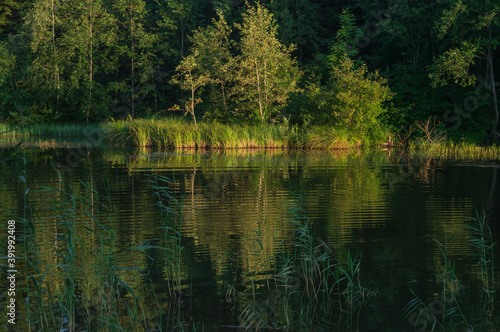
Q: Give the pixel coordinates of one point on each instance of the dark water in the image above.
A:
(380, 205)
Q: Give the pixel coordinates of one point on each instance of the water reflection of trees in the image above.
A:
(235, 207)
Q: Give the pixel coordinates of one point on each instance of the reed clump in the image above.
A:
(452, 150)
(177, 133)
(81, 285)
(324, 137)
(311, 288)
(451, 311)
(94, 292)
(168, 251)
(50, 130)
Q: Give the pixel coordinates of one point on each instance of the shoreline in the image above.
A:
(176, 134)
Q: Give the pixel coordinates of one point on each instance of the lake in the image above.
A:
(208, 249)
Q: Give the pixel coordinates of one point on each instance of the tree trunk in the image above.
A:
(132, 62)
(258, 90)
(223, 96)
(193, 89)
(182, 42)
(181, 50)
(54, 51)
(91, 60)
(20, 112)
(192, 106)
(266, 88)
(494, 132)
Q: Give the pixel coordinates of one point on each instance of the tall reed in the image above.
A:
(455, 312)
(481, 240)
(168, 251)
(310, 289)
(52, 130)
(36, 313)
(462, 150)
(170, 229)
(420, 311)
(84, 287)
(176, 133)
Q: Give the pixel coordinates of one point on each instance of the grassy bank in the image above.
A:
(452, 150)
(176, 133)
(179, 133)
(49, 130)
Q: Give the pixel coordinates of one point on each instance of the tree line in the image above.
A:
(366, 66)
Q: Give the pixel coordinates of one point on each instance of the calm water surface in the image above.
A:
(380, 205)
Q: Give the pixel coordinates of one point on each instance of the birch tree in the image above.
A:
(134, 43)
(190, 77)
(213, 46)
(89, 40)
(267, 73)
(41, 24)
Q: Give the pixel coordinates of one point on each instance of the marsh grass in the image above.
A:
(324, 137)
(49, 130)
(455, 313)
(36, 315)
(462, 150)
(177, 133)
(170, 232)
(91, 290)
(181, 134)
(481, 240)
(82, 286)
(168, 249)
(311, 288)
(75, 282)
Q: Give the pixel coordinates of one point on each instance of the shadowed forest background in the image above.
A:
(368, 67)
(269, 215)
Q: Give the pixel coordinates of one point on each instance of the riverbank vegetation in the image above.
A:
(366, 69)
(178, 133)
(172, 133)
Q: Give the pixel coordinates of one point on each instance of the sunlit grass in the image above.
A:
(462, 150)
(177, 133)
(324, 137)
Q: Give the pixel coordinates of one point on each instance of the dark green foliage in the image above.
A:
(92, 60)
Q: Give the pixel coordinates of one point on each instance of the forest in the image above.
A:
(375, 68)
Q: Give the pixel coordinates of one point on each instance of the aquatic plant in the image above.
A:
(176, 133)
(452, 150)
(50, 130)
(82, 285)
(168, 248)
(450, 311)
(481, 240)
(421, 313)
(310, 288)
